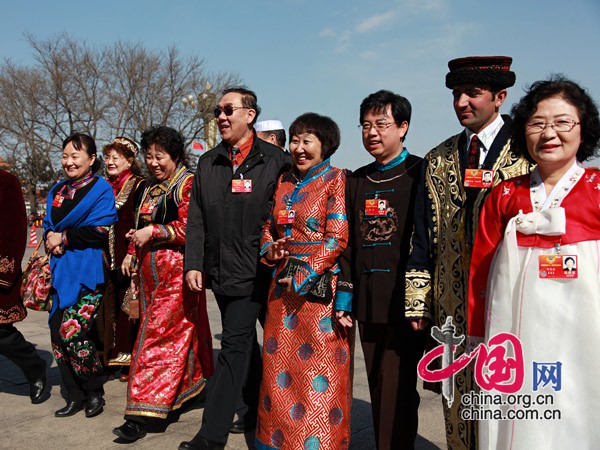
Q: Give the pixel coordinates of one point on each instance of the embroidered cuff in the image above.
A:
(335, 216)
(418, 295)
(265, 248)
(163, 233)
(343, 301)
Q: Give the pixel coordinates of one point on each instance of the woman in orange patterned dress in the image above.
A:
(306, 390)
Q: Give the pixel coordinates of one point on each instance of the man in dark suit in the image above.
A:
(380, 200)
(231, 199)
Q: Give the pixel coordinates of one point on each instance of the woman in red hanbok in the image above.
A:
(172, 356)
(306, 390)
(535, 273)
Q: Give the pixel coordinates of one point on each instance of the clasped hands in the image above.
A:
(278, 251)
(140, 237)
(54, 243)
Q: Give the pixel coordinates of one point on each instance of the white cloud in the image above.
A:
(375, 22)
(327, 32)
(345, 36)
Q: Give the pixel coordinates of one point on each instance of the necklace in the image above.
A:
(386, 180)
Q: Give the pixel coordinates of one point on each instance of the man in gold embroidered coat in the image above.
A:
(13, 235)
(447, 212)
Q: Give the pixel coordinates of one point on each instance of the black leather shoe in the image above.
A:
(242, 424)
(38, 386)
(130, 431)
(94, 404)
(200, 443)
(73, 407)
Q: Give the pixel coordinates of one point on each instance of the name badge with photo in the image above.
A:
(146, 209)
(241, 186)
(286, 217)
(558, 266)
(376, 207)
(479, 178)
(57, 201)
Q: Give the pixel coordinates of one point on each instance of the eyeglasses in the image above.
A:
(559, 125)
(228, 110)
(114, 158)
(379, 126)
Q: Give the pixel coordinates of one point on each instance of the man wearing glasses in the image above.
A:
(231, 199)
(380, 200)
(451, 194)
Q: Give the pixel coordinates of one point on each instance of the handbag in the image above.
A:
(320, 292)
(37, 282)
(131, 305)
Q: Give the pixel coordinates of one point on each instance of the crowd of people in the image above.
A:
(496, 230)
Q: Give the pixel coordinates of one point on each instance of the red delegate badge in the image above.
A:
(146, 210)
(241, 186)
(558, 266)
(376, 207)
(479, 178)
(57, 202)
(286, 217)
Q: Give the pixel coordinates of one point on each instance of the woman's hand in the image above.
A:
(129, 234)
(277, 251)
(344, 318)
(126, 268)
(54, 243)
(134, 284)
(419, 324)
(141, 237)
(286, 283)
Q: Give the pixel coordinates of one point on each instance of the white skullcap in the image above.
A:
(268, 125)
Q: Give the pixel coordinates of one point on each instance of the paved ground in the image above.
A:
(27, 426)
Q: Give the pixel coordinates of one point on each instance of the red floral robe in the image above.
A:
(306, 390)
(172, 356)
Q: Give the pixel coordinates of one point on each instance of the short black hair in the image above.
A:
(87, 143)
(558, 86)
(280, 136)
(323, 127)
(168, 139)
(249, 99)
(378, 102)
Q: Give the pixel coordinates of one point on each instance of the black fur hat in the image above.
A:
(493, 71)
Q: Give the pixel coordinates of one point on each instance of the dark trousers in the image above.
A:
(235, 385)
(21, 352)
(392, 353)
(74, 350)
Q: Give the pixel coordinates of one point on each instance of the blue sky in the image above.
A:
(326, 56)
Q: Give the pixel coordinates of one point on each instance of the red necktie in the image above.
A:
(473, 158)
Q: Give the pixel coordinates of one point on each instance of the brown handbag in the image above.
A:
(131, 305)
(37, 282)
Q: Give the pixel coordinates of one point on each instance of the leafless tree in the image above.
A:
(108, 91)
